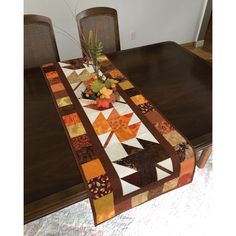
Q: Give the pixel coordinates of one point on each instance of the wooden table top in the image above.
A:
(176, 81)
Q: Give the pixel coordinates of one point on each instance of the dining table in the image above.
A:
(177, 81)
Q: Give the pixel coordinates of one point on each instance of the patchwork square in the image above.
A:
(55, 80)
(80, 142)
(155, 191)
(185, 179)
(187, 166)
(104, 208)
(86, 154)
(154, 117)
(174, 138)
(184, 151)
(139, 99)
(66, 110)
(93, 169)
(106, 63)
(57, 87)
(163, 127)
(115, 73)
(76, 130)
(126, 85)
(100, 125)
(51, 75)
(120, 122)
(146, 107)
(65, 101)
(170, 185)
(85, 76)
(123, 206)
(71, 119)
(139, 199)
(189, 153)
(132, 92)
(73, 78)
(106, 68)
(100, 186)
(124, 133)
(60, 94)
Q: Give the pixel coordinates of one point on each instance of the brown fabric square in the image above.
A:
(66, 110)
(86, 154)
(123, 206)
(154, 117)
(54, 81)
(106, 63)
(146, 107)
(107, 66)
(100, 186)
(60, 94)
(80, 142)
(49, 68)
(163, 127)
(132, 92)
(154, 192)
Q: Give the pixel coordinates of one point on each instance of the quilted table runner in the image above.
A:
(127, 153)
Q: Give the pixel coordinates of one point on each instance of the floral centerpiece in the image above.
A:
(98, 87)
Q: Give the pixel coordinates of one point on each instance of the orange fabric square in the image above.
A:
(100, 125)
(57, 87)
(52, 75)
(139, 99)
(115, 73)
(124, 133)
(71, 119)
(135, 127)
(187, 166)
(120, 122)
(93, 169)
(184, 179)
(114, 114)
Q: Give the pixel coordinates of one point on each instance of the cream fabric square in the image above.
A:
(139, 199)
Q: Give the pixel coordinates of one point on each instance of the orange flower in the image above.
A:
(106, 92)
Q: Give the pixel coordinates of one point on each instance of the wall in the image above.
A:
(152, 20)
(205, 21)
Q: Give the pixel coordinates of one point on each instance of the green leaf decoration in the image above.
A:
(90, 38)
(97, 85)
(92, 49)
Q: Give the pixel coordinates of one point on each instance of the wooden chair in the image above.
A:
(103, 19)
(39, 41)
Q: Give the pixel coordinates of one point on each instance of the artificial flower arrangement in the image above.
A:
(98, 87)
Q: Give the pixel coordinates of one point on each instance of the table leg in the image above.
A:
(204, 157)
